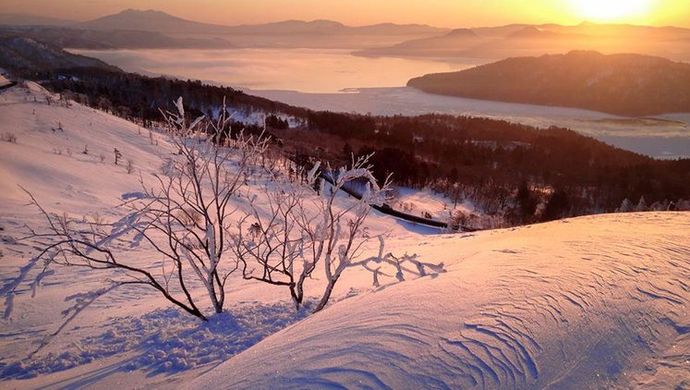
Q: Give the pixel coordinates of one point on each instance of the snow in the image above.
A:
(420, 202)
(595, 302)
(50, 163)
(167, 341)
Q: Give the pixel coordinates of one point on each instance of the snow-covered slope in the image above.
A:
(134, 332)
(578, 303)
(584, 303)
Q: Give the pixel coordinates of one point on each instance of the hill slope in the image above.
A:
(623, 84)
(596, 302)
(64, 155)
(28, 55)
(594, 306)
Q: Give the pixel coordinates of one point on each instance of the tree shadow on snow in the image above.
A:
(168, 341)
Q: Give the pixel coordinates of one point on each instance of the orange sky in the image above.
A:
(447, 13)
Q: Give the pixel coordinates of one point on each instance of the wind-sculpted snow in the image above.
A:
(583, 303)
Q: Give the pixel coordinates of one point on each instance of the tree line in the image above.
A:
(522, 173)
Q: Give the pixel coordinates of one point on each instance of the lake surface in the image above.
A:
(335, 80)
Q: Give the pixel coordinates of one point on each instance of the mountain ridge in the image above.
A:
(518, 40)
(153, 20)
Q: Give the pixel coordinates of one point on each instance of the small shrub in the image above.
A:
(130, 167)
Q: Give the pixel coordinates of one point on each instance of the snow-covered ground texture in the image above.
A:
(582, 303)
(64, 155)
(593, 302)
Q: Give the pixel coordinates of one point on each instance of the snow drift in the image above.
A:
(584, 303)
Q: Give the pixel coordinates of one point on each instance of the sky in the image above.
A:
(442, 13)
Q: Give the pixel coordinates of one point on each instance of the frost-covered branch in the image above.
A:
(300, 231)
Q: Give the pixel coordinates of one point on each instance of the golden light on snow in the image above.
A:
(611, 10)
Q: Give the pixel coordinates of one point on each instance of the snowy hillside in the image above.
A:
(579, 303)
(598, 304)
(64, 155)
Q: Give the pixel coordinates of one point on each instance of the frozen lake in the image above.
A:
(337, 81)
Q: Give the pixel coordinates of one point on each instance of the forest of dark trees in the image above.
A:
(522, 173)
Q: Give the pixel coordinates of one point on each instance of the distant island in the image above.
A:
(621, 84)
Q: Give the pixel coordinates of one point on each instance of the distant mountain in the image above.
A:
(428, 47)
(28, 55)
(283, 34)
(519, 40)
(399, 29)
(32, 20)
(623, 84)
(499, 31)
(158, 21)
(291, 27)
(73, 38)
(150, 20)
(335, 28)
(533, 32)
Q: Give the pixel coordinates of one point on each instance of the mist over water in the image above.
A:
(304, 70)
(319, 78)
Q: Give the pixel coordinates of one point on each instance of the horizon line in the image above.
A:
(575, 24)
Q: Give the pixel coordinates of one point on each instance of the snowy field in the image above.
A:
(597, 304)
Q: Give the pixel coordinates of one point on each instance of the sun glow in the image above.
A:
(611, 10)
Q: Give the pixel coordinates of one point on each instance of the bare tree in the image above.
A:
(293, 232)
(201, 226)
(184, 217)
